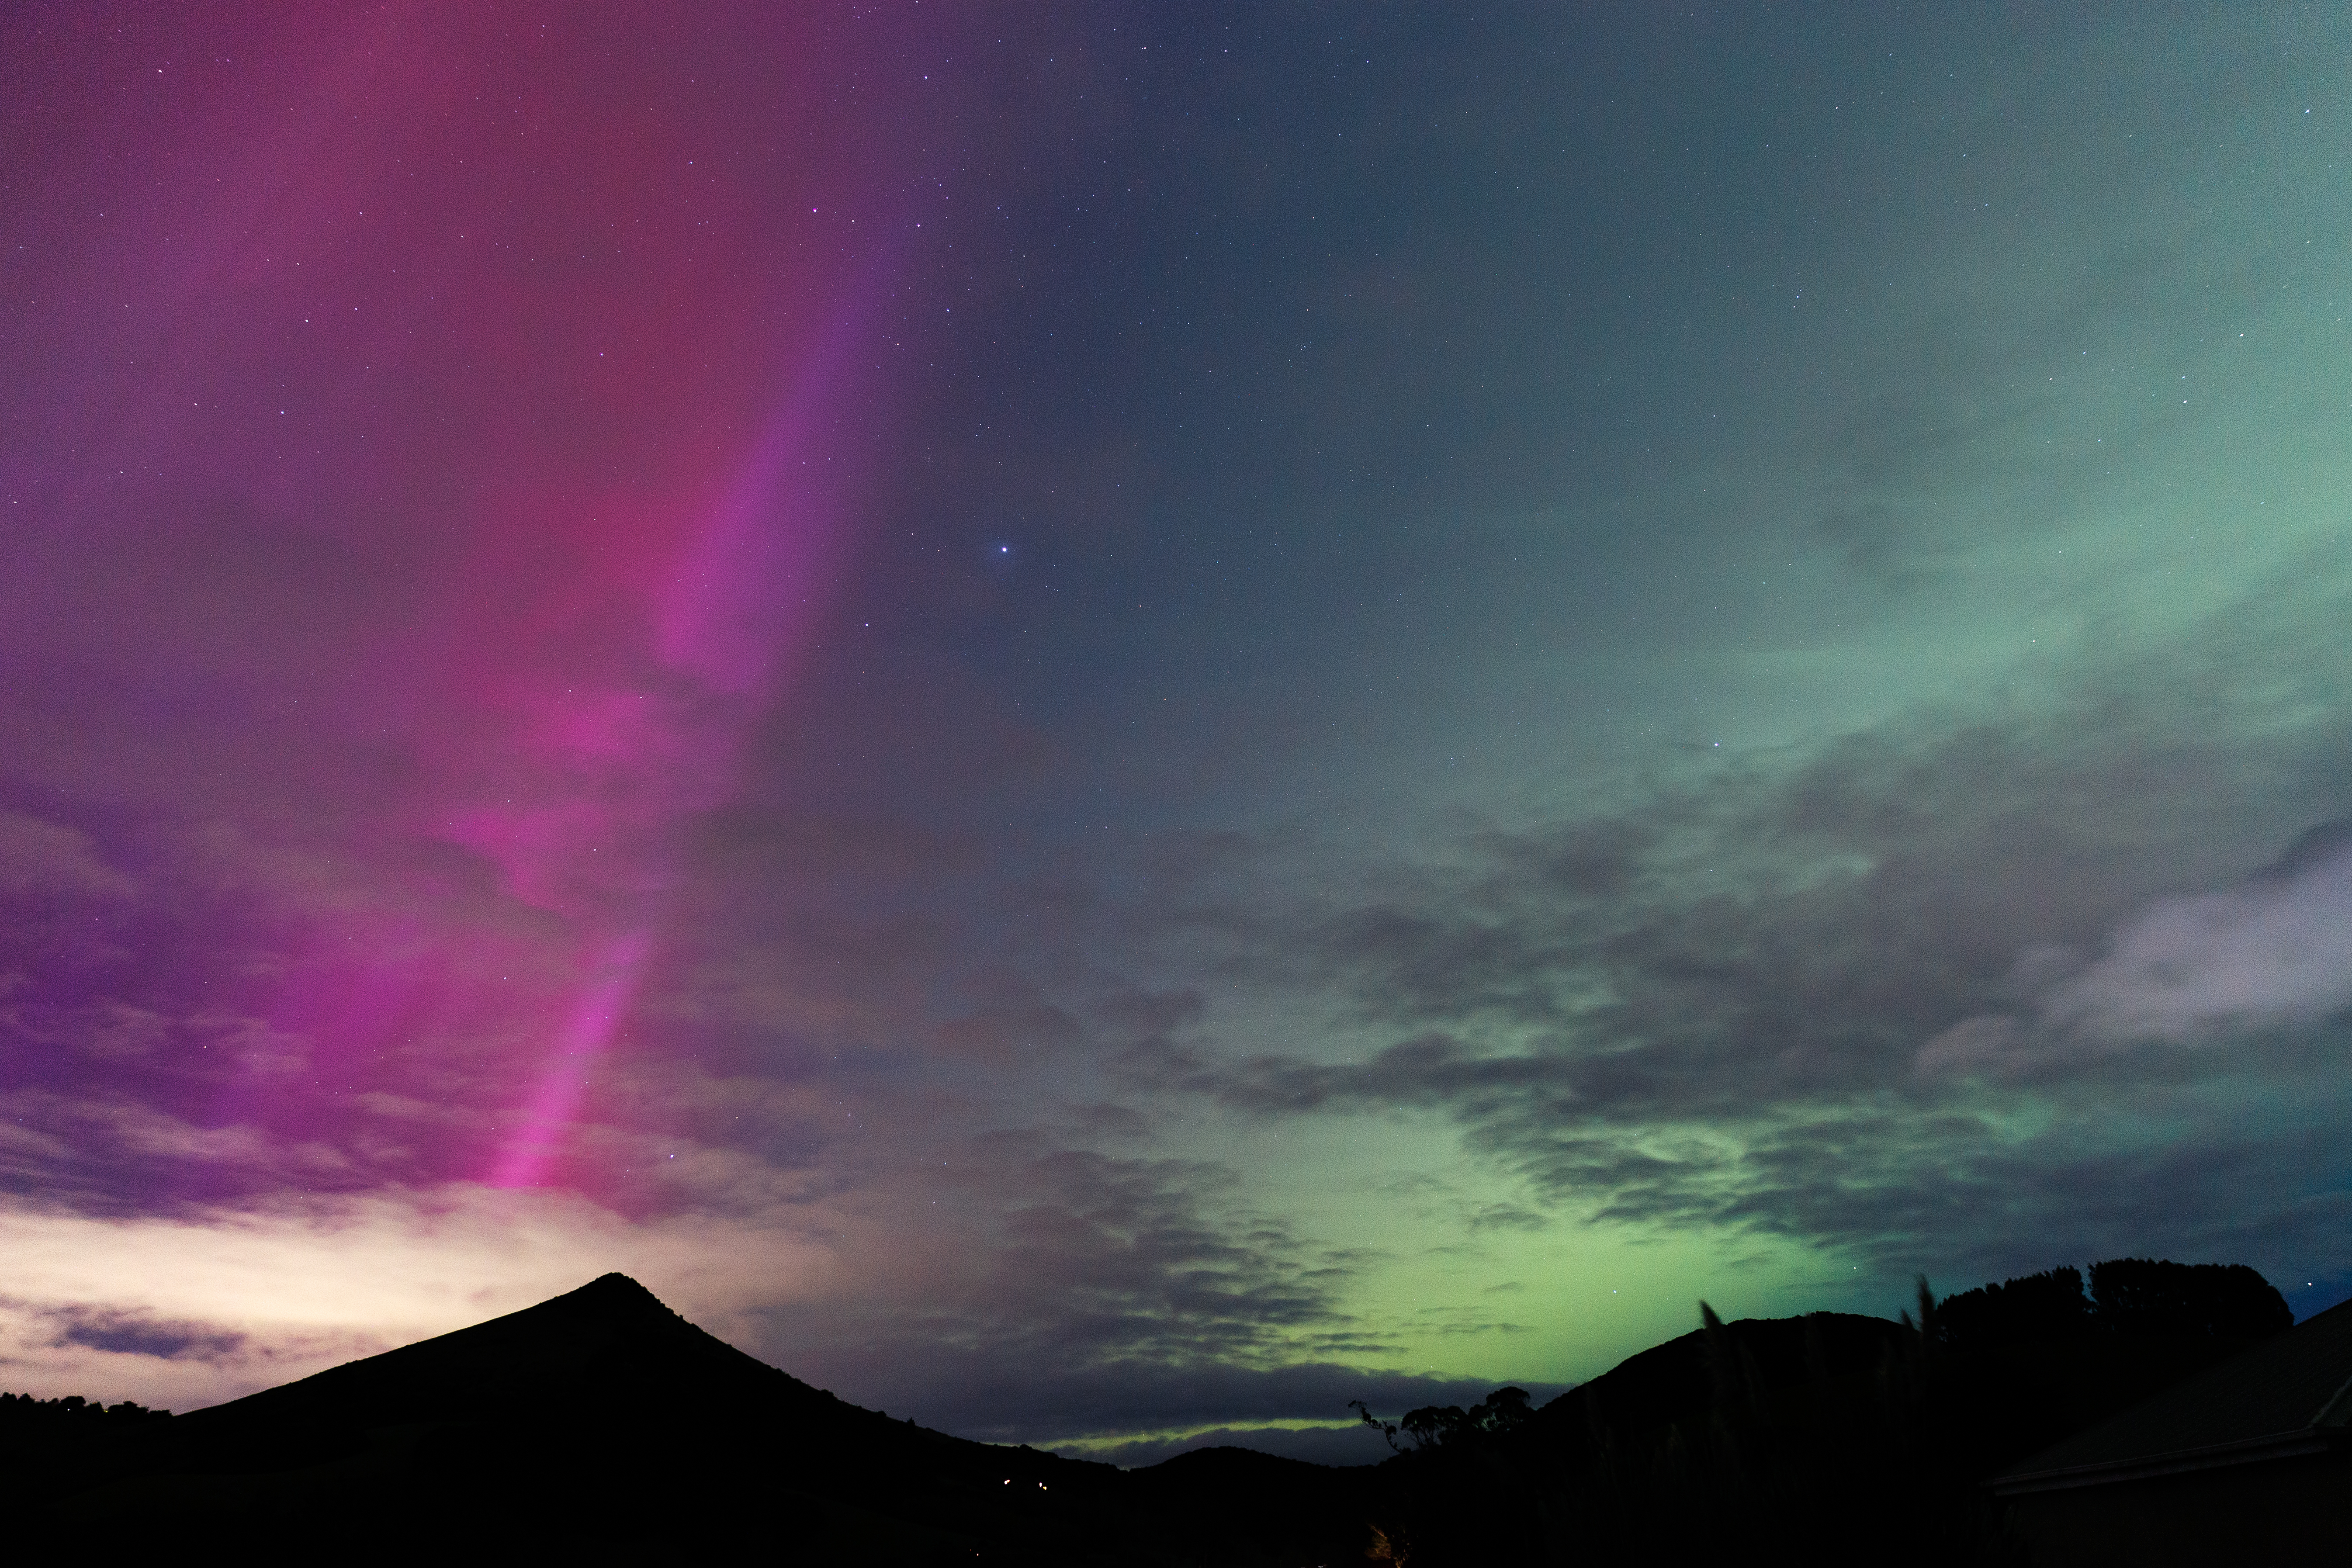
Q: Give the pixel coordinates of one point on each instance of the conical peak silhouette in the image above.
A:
(602, 1418)
(612, 1340)
(617, 1280)
(612, 1295)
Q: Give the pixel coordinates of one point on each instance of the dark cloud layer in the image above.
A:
(138, 1333)
(1750, 1002)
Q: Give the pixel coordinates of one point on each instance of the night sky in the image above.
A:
(1105, 721)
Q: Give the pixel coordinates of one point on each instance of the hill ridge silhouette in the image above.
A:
(603, 1416)
(612, 1329)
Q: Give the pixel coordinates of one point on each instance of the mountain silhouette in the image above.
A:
(603, 1426)
(612, 1336)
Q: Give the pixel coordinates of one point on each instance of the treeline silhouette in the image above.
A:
(53, 1446)
(2130, 1297)
(24, 1413)
(1830, 1437)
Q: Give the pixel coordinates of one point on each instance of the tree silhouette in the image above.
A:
(1436, 1426)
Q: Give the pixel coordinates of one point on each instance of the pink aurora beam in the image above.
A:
(730, 613)
(537, 1137)
(429, 471)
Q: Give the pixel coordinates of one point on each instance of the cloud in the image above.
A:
(111, 1152)
(122, 1332)
(2272, 951)
(1115, 1403)
(1355, 1444)
(2277, 949)
(1013, 1252)
(39, 857)
(1156, 1297)
(1707, 1009)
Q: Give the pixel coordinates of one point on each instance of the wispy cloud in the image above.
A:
(141, 1333)
(2276, 949)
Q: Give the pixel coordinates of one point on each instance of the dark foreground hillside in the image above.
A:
(1829, 1439)
(601, 1426)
